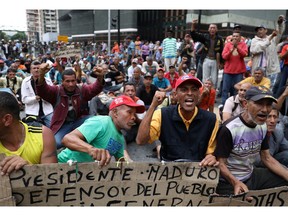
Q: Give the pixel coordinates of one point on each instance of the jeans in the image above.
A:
(168, 62)
(210, 70)
(229, 80)
(67, 128)
(283, 79)
(47, 119)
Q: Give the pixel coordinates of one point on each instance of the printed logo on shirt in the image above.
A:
(113, 146)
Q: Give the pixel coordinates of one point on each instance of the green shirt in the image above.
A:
(100, 132)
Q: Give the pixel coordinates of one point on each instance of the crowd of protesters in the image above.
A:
(161, 92)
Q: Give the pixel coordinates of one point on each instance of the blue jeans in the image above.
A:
(283, 79)
(47, 119)
(67, 128)
(229, 80)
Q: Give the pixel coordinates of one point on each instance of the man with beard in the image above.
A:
(185, 131)
(240, 140)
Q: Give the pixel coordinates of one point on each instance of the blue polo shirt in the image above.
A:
(163, 83)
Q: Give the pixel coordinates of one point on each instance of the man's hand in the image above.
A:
(209, 160)
(98, 71)
(101, 155)
(43, 69)
(235, 43)
(240, 187)
(285, 93)
(11, 163)
(184, 59)
(158, 98)
(281, 19)
(193, 26)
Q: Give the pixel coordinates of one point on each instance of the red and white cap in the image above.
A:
(128, 101)
(187, 78)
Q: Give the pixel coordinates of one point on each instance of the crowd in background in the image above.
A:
(179, 79)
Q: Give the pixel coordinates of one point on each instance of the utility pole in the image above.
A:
(109, 33)
(199, 20)
(118, 26)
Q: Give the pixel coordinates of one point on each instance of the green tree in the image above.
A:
(4, 36)
(19, 36)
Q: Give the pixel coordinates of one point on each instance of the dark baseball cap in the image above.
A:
(260, 26)
(148, 75)
(257, 93)
(237, 26)
(172, 66)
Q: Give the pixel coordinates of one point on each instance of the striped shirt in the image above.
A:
(169, 48)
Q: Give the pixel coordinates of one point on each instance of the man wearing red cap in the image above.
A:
(185, 131)
(100, 137)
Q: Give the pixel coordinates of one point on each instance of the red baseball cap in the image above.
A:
(128, 101)
(186, 78)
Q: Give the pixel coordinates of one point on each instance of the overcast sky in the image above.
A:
(17, 22)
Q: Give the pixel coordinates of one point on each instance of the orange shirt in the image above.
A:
(116, 49)
(208, 100)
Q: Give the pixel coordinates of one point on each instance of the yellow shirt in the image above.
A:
(264, 82)
(32, 148)
(155, 128)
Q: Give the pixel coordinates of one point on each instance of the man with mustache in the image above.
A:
(278, 144)
(100, 137)
(240, 140)
(186, 132)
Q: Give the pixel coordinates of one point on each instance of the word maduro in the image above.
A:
(136, 184)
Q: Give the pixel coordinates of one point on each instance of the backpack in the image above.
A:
(221, 107)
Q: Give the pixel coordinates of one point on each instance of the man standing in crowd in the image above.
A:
(169, 50)
(213, 47)
(234, 53)
(130, 50)
(68, 99)
(264, 49)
